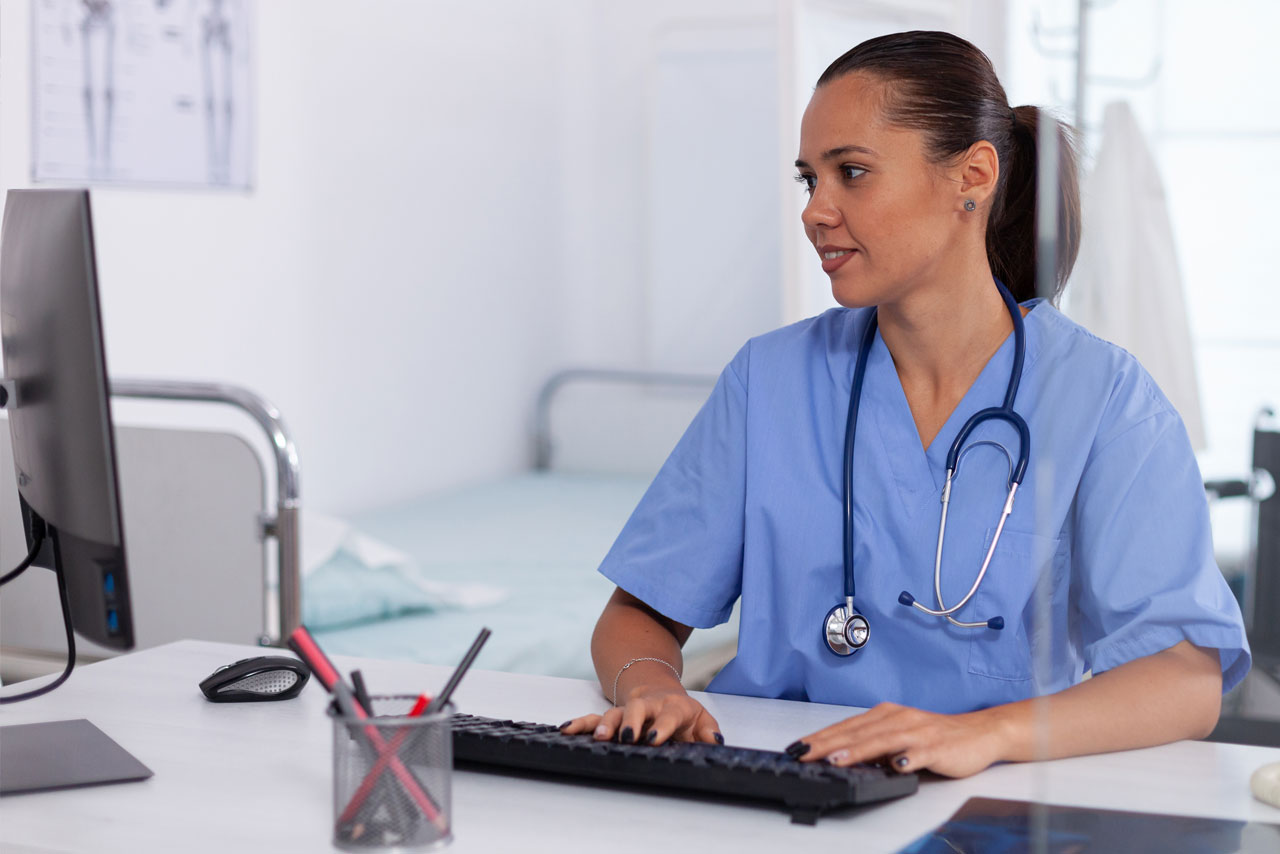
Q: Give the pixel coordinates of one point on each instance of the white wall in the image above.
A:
(610, 94)
(393, 280)
(452, 200)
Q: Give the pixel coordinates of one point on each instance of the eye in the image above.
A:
(851, 172)
(808, 181)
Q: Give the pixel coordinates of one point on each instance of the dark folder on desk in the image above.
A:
(62, 755)
(992, 826)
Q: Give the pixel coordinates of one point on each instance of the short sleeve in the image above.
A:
(1144, 573)
(681, 550)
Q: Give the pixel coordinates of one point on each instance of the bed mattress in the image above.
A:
(538, 535)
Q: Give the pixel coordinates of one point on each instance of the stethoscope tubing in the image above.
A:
(850, 434)
(1004, 412)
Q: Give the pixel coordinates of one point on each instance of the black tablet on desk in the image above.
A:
(34, 758)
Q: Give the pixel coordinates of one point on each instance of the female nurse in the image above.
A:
(921, 198)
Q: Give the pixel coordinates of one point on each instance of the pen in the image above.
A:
(460, 670)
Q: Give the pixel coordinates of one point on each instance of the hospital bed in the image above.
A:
(537, 537)
(221, 549)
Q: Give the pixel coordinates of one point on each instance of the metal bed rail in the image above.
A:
(283, 525)
(542, 444)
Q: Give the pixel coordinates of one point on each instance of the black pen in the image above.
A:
(459, 672)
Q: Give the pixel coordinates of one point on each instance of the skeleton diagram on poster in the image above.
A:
(143, 92)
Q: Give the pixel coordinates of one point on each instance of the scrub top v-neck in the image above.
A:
(1111, 520)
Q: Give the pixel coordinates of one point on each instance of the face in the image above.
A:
(880, 214)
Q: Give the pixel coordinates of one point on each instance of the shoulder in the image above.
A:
(1068, 356)
(799, 345)
(834, 324)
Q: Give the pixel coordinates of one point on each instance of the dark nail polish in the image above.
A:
(796, 749)
(627, 736)
(565, 724)
(901, 762)
(718, 737)
(651, 737)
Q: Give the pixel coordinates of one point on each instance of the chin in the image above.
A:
(855, 295)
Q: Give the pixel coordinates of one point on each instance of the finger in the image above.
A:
(856, 724)
(586, 723)
(888, 744)
(906, 763)
(705, 728)
(815, 746)
(668, 722)
(607, 727)
(635, 715)
(859, 732)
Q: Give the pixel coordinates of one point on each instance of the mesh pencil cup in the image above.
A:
(392, 776)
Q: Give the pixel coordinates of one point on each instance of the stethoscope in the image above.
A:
(845, 629)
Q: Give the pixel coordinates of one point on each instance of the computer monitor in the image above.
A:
(60, 420)
(59, 416)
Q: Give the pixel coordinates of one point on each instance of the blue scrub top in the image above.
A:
(1111, 519)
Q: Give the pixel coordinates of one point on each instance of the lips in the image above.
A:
(833, 257)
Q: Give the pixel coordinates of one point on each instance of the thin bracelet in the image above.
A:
(635, 661)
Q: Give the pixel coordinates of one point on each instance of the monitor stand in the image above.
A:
(62, 755)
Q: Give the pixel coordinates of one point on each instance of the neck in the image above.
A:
(941, 335)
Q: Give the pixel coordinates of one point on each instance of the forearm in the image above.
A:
(627, 630)
(1171, 695)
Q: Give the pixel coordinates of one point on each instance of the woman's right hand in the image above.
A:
(651, 716)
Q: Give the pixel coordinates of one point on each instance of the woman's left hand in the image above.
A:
(911, 740)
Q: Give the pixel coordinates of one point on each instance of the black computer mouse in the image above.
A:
(266, 677)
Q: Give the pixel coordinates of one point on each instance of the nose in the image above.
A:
(819, 212)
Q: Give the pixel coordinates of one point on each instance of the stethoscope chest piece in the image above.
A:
(845, 630)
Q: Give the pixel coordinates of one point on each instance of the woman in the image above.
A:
(921, 183)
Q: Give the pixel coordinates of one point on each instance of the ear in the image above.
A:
(978, 171)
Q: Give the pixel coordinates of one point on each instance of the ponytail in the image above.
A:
(1011, 229)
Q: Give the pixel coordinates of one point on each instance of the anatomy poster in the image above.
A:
(143, 92)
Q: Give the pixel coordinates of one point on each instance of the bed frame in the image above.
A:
(192, 499)
(199, 500)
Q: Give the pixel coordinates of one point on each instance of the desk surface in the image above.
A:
(257, 776)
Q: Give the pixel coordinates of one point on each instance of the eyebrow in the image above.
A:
(833, 153)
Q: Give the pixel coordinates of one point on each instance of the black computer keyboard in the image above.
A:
(807, 789)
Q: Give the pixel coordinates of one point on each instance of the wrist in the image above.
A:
(1006, 732)
(641, 676)
(647, 687)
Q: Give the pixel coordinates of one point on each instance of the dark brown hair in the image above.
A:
(944, 87)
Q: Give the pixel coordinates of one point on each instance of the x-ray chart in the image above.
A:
(143, 92)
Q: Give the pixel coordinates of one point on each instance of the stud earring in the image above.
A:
(969, 205)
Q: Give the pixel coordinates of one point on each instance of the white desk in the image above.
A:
(257, 776)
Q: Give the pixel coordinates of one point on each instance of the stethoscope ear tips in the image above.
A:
(905, 598)
(996, 623)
